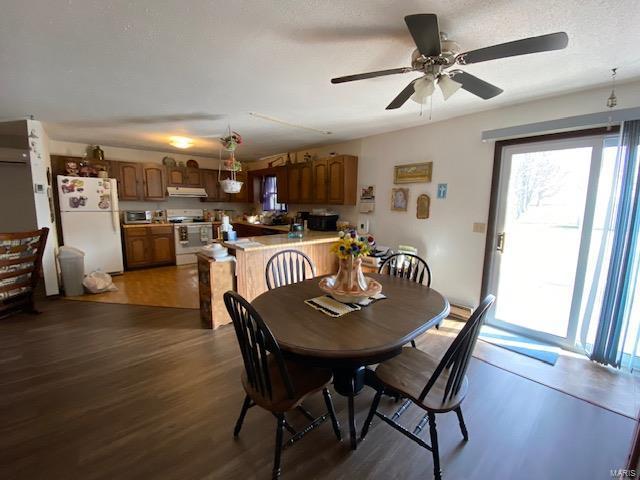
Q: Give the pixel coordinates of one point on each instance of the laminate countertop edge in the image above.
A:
(283, 241)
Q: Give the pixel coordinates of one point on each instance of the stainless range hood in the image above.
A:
(186, 192)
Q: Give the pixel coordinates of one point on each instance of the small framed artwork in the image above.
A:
(399, 199)
(413, 173)
(367, 193)
(422, 210)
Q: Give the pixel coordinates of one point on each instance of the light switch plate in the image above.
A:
(479, 227)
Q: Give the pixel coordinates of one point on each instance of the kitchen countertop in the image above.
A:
(282, 240)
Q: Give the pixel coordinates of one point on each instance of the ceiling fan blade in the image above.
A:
(402, 97)
(473, 84)
(543, 43)
(378, 73)
(425, 32)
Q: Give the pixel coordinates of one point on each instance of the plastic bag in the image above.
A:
(99, 282)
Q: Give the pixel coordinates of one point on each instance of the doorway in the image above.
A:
(541, 227)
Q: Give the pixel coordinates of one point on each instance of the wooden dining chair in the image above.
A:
(444, 390)
(287, 267)
(20, 267)
(409, 266)
(273, 382)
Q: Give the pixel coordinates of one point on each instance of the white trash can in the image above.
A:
(72, 268)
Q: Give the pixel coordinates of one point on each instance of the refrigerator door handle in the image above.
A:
(114, 206)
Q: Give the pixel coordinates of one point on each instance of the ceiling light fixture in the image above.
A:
(292, 125)
(448, 86)
(180, 142)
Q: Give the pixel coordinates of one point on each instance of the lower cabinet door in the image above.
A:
(137, 251)
(162, 247)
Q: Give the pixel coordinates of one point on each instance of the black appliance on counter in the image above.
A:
(323, 223)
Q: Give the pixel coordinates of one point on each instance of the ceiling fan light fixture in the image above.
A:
(448, 86)
(423, 88)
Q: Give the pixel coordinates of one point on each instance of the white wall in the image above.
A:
(148, 156)
(464, 162)
(41, 174)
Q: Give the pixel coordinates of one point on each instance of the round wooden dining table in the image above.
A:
(349, 343)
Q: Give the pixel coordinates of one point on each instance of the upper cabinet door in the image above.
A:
(243, 195)
(192, 178)
(175, 176)
(154, 182)
(211, 185)
(320, 181)
(335, 191)
(282, 182)
(129, 175)
(306, 183)
(293, 183)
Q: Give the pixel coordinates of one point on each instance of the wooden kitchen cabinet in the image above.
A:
(320, 181)
(342, 184)
(137, 247)
(212, 187)
(243, 195)
(129, 179)
(300, 182)
(154, 182)
(282, 182)
(245, 230)
(306, 183)
(149, 246)
(293, 182)
(184, 177)
(162, 244)
(140, 181)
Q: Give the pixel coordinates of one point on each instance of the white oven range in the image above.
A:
(190, 232)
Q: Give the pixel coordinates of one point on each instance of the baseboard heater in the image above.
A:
(460, 312)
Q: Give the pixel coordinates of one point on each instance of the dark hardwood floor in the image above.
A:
(104, 391)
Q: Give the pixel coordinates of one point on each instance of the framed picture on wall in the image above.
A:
(413, 173)
(399, 199)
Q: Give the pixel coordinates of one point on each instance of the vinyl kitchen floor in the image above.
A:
(173, 286)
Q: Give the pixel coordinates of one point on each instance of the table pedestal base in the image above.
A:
(348, 382)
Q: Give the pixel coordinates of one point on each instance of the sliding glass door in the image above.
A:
(545, 211)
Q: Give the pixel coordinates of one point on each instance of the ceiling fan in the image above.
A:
(435, 55)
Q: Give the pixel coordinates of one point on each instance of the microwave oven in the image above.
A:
(137, 216)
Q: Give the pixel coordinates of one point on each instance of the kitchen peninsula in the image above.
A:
(215, 278)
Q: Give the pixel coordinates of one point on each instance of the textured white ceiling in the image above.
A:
(85, 67)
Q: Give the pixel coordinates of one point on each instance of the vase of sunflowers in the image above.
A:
(350, 285)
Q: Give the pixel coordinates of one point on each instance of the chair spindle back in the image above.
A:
(257, 344)
(287, 267)
(20, 264)
(407, 265)
(456, 358)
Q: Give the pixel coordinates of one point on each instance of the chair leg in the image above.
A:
(437, 474)
(276, 460)
(352, 422)
(372, 411)
(437, 326)
(463, 427)
(332, 413)
(243, 412)
(413, 343)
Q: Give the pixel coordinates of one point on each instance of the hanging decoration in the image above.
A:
(612, 101)
(230, 142)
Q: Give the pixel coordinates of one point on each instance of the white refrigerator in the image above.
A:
(91, 221)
